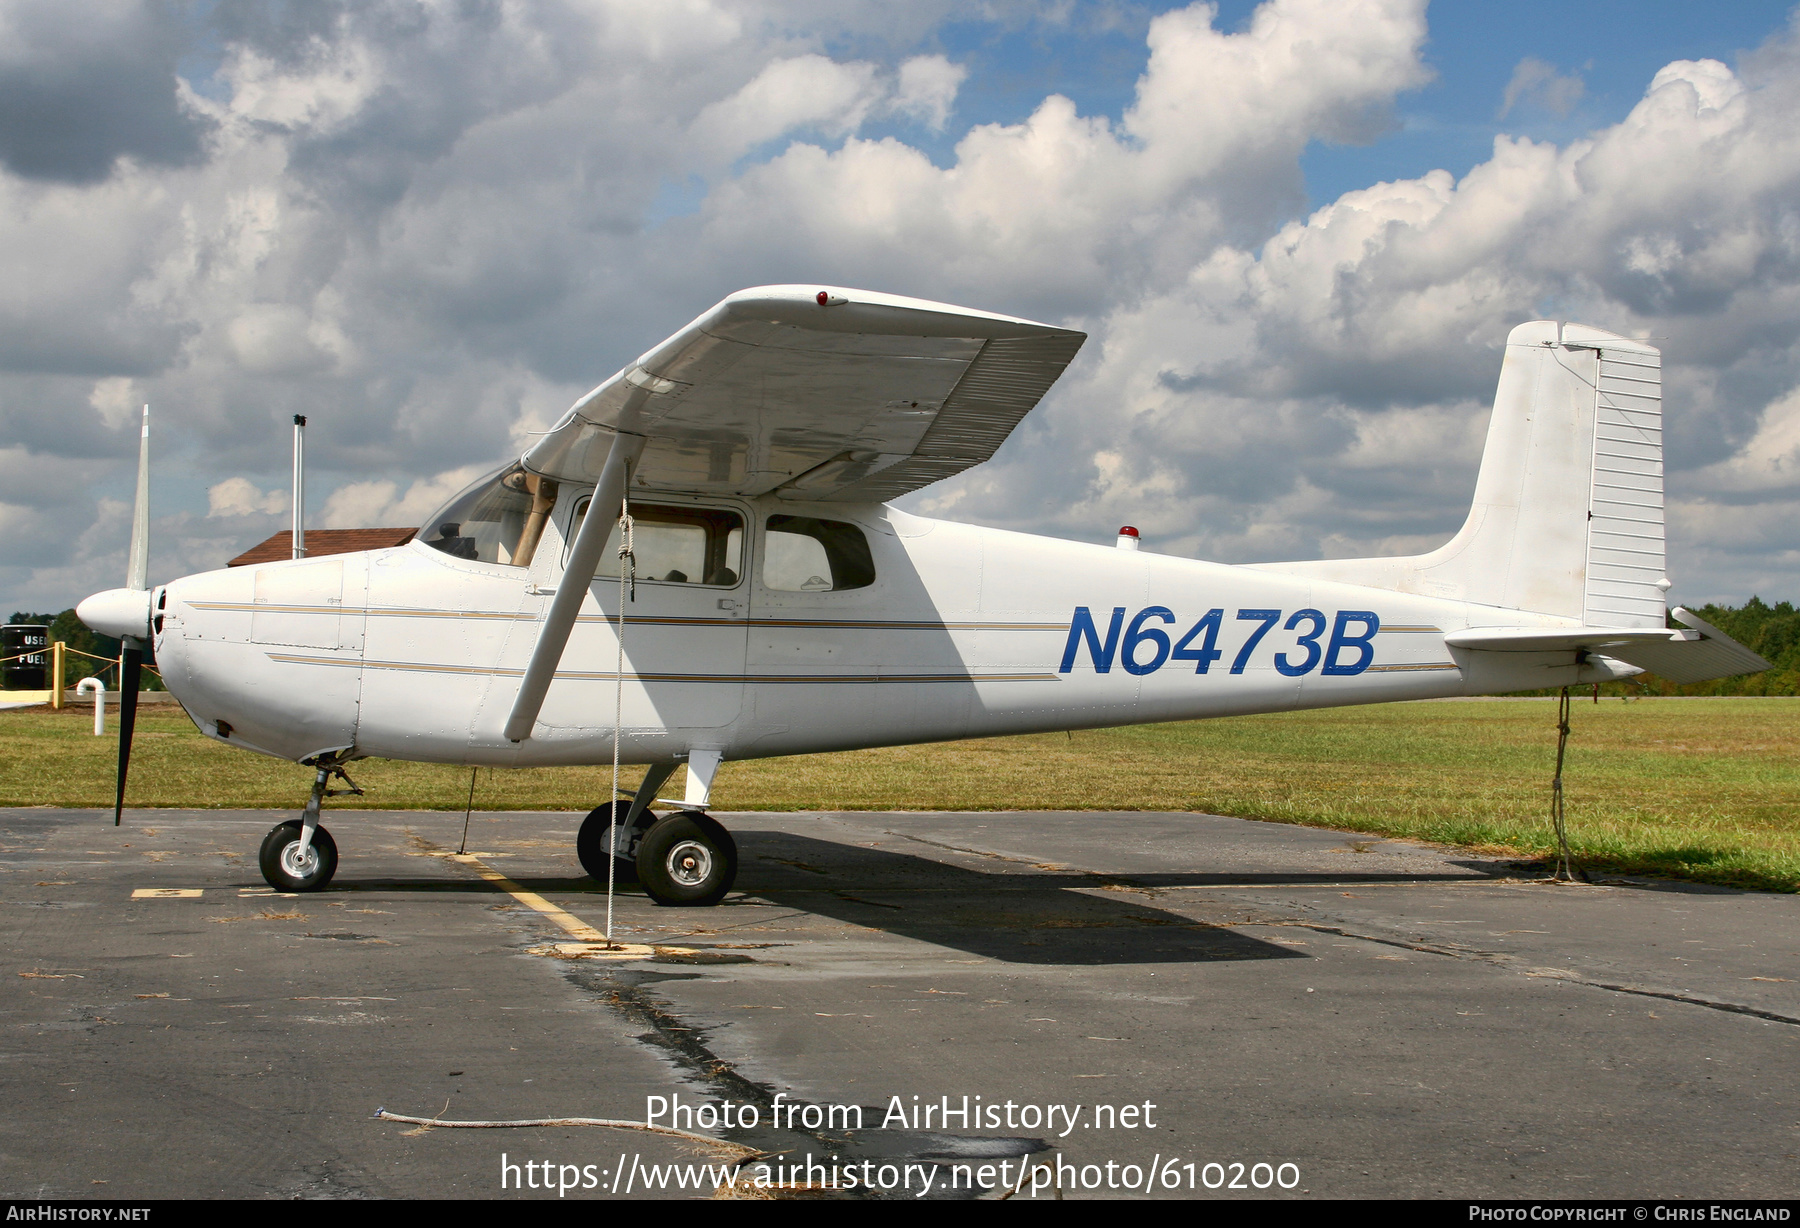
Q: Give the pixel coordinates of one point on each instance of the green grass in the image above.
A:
(1703, 789)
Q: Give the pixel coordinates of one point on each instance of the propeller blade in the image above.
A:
(132, 661)
(137, 571)
(137, 577)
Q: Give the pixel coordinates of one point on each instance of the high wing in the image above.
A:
(814, 393)
(1697, 655)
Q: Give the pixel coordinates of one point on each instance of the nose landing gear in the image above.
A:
(299, 855)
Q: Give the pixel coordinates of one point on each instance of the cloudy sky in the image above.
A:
(1297, 232)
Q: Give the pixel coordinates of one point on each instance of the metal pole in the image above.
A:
(56, 674)
(299, 536)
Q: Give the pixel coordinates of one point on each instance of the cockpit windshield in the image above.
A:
(499, 519)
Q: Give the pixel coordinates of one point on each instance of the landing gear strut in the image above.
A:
(299, 855)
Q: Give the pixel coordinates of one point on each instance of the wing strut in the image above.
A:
(584, 561)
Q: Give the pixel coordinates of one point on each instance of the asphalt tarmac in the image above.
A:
(1135, 1005)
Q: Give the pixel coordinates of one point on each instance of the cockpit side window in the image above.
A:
(499, 519)
(804, 555)
(676, 545)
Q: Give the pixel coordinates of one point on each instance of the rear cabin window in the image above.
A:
(676, 545)
(804, 555)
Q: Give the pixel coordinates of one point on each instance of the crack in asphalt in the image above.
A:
(1501, 959)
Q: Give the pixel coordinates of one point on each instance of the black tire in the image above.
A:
(687, 859)
(278, 865)
(590, 842)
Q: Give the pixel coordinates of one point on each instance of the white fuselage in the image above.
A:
(412, 654)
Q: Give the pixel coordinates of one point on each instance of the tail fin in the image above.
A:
(1568, 512)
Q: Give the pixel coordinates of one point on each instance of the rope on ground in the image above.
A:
(746, 1153)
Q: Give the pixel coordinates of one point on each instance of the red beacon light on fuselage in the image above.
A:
(1128, 537)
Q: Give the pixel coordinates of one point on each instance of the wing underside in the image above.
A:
(863, 397)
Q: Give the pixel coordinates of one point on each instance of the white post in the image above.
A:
(299, 535)
(96, 688)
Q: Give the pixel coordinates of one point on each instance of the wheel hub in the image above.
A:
(690, 863)
(296, 865)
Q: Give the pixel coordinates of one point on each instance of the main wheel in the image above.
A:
(687, 859)
(285, 870)
(591, 847)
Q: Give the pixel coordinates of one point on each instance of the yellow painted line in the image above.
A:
(576, 927)
(167, 893)
(592, 942)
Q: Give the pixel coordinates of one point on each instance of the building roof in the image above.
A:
(323, 541)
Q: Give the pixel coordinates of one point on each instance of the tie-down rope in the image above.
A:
(627, 565)
(1564, 871)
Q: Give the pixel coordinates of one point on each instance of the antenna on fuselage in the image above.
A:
(299, 534)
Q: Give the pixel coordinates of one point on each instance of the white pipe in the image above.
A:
(96, 688)
(299, 534)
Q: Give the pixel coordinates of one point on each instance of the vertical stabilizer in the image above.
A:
(1568, 512)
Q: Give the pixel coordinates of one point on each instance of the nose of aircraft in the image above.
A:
(118, 612)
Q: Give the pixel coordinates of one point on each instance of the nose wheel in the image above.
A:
(687, 859)
(286, 866)
(299, 855)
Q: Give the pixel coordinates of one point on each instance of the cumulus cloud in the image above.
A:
(1535, 80)
(79, 92)
(1768, 463)
(242, 497)
(382, 504)
(1323, 394)
(806, 91)
(927, 89)
(431, 227)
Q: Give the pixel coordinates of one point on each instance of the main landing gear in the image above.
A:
(680, 859)
(299, 855)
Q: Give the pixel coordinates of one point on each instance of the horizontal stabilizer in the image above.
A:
(1557, 639)
(1699, 654)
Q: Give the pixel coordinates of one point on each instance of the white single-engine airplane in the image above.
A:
(773, 604)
